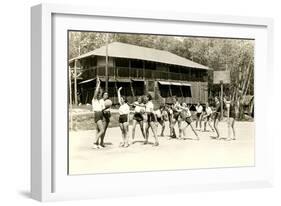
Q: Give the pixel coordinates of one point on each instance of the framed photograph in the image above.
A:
(134, 102)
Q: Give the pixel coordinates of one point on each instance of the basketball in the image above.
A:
(142, 110)
(107, 103)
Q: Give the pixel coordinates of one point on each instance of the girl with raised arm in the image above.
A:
(124, 111)
(97, 109)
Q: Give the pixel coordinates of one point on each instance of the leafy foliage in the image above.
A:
(235, 55)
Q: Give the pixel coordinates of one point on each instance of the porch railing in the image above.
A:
(139, 73)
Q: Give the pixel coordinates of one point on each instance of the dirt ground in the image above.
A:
(172, 154)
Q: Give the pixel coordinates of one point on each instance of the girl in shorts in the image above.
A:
(124, 111)
(175, 117)
(199, 110)
(151, 120)
(138, 117)
(185, 115)
(231, 122)
(217, 114)
(97, 108)
(207, 117)
(162, 116)
(106, 116)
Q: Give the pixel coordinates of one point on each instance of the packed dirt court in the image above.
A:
(172, 154)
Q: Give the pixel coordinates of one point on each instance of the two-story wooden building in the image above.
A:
(140, 70)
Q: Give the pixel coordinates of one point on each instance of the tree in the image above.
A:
(235, 55)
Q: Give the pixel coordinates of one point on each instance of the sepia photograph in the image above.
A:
(152, 102)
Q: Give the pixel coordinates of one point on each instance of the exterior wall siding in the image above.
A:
(199, 89)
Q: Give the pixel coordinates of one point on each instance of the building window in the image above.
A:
(176, 90)
(121, 62)
(136, 63)
(138, 87)
(150, 65)
(186, 91)
(126, 88)
(164, 90)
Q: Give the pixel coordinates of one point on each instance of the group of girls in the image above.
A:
(181, 115)
(144, 115)
(147, 118)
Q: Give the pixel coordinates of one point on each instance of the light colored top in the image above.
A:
(158, 113)
(209, 110)
(102, 102)
(170, 111)
(96, 105)
(176, 107)
(149, 106)
(124, 109)
(199, 109)
(138, 108)
(186, 113)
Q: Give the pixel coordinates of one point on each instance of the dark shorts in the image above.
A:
(176, 115)
(232, 114)
(188, 120)
(198, 115)
(138, 117)
(123, 118)
(217, 115)
(98, 116)
(107, 115)
(208, 117)
(160, 120)
(166, 118)
(151, 117)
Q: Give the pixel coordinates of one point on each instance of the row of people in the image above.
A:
(147, 118)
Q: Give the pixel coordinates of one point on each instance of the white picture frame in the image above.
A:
(49, 179)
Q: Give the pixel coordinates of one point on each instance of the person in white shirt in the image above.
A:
(151, 120)
(185, 115)
(138, 116)
(207, 117)
(97, 109)
(175, 117)
(106, 117)
(199, 110)
(162, 117)
(124, 111)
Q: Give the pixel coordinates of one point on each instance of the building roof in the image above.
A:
(123, 50)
